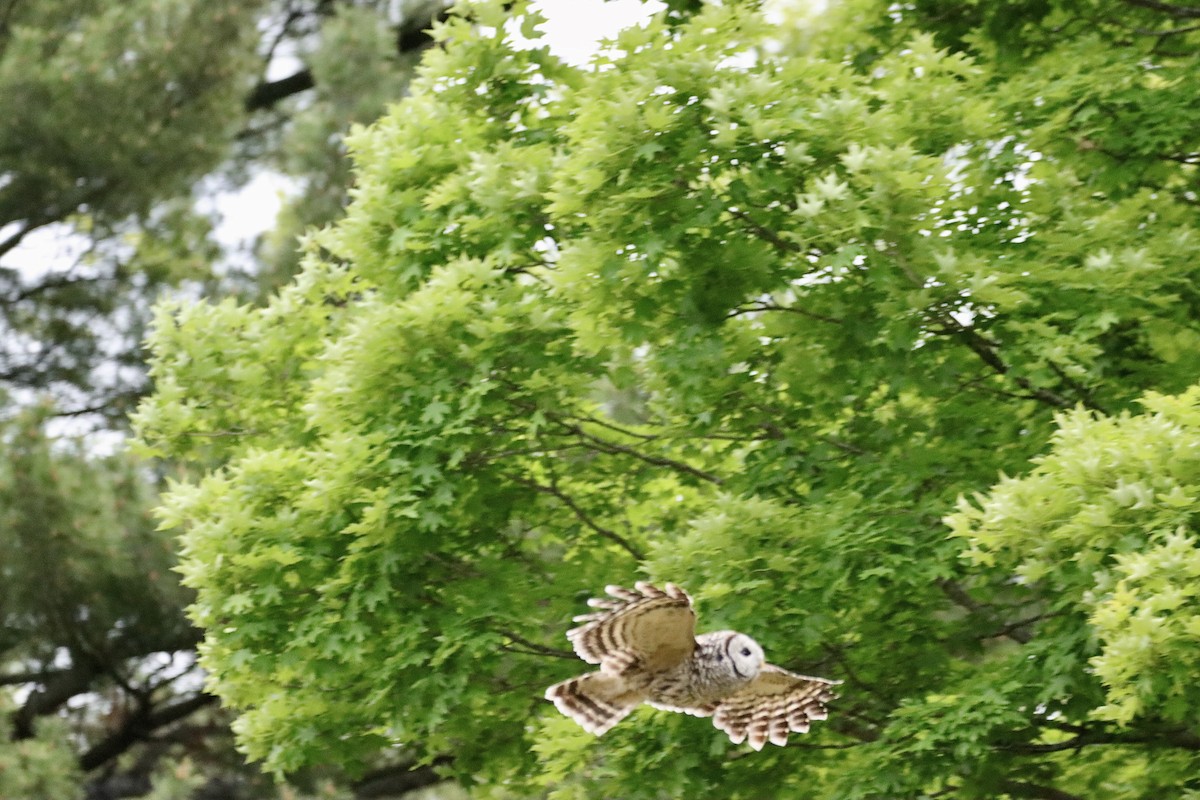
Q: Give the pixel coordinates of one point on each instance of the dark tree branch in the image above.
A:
(844, 446)
(400, 779)
(87, 671)
(766, 234)
(49, 212)
(1182, 12)
(97, 408)
(612, 426)
(476, 460)
(1036, 792)
(986, 352)
(983, 347)
(961, 598)
(737, 312)
(56, 691)
(1012, 630)
(114, 785)
(533, 648)
(140, 726)
(570, 424)
(17, 236)
(581, 515)
(412, 36)
(52, 282)
(1166, 32)
(5, 28)
(269, 93)
(605, 446)
(19, 678)
(293, 16)
(1172, 737)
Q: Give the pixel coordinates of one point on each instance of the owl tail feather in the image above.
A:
(597, 701)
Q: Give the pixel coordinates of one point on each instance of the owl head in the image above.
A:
(745, 656)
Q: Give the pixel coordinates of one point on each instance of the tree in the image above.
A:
(189, 100)
(749, 308)
(89, 604)
(96, 135)
(121, 121)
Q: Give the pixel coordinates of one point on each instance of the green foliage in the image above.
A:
(37, 767)
(357, 74)
(120, 122)
(101, 125)
(743, 311)
(79, 546)
(1106, 522)
(111, 111)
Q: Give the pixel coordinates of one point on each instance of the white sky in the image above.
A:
(574, 28)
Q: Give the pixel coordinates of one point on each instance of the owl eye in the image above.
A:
(745, 651)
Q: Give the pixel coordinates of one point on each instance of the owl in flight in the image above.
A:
(645, 643)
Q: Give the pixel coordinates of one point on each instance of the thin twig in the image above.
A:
(581, 515)
(740, 310)
(1186, 12)
(661, 461)
(533, 648)
(766, 234)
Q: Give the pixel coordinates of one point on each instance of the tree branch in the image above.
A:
(983, 347)
(1183, 12)
(986, 350)
(1177, 737)
(737, 312)
(961, 597)
(139, 726)
(606, 446)
(412, 36)
(1166, 32)
(581, 515)
(85, 671)
(60, 688)
(766, 234)
(400, 779)
(267, 94)
(535, 649)
(15, 238)
(1035, 791)
(40, 676)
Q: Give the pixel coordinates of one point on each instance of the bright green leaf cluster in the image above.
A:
(1107, 522)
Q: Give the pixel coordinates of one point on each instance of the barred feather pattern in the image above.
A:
(644, 641)
(642, 628)
(774, 704)
(596, 701)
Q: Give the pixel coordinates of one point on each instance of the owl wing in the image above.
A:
(771, 705)
(644, 628)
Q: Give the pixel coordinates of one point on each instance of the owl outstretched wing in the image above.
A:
(644, 628)
(771, 705)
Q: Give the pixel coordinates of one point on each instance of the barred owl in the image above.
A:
(644, 641)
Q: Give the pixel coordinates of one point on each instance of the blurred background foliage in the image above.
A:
(122, 127)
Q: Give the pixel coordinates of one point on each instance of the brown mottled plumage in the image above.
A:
(644, 641)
